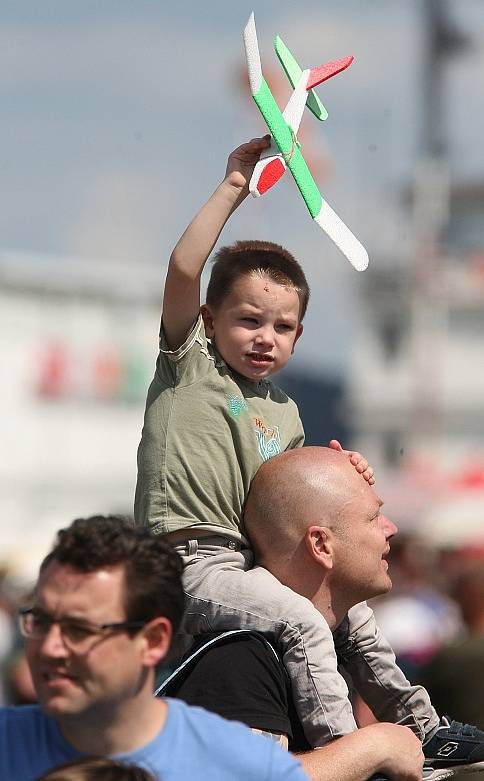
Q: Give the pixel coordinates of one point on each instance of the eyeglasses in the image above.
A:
(78, 636)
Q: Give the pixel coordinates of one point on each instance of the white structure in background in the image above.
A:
(416, 389)
(417, 368)
(78, 343)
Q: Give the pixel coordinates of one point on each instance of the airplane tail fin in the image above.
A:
(317, 75)
(293, 73)
(326, 71)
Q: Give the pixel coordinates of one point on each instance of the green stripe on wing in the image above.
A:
(283, 137)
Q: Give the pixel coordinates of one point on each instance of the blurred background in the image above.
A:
(117, 118)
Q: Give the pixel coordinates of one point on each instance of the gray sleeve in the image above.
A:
(368, 658)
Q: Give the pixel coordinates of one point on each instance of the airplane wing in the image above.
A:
(345, 240)
(284, 137)
(279, 129)
(272, 165)
(293, 73)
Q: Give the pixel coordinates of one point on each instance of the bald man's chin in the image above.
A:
(387, 584)
(384, 583)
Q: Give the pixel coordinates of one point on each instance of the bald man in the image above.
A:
(317, 526)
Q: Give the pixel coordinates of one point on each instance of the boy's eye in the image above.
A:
(251, 320)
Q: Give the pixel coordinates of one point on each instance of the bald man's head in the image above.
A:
(294, 490)
(316, 525)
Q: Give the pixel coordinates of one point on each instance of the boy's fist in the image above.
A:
(242, 160)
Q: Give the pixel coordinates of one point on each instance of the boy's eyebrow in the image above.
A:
(256, 308)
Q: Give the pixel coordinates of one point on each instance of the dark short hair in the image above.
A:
(263, 257)
(97, 769)
(153, 569)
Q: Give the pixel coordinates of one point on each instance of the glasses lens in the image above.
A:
(77, 635)
(36, 626)
(33, 625)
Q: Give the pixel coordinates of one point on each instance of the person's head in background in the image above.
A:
(468, 591)
(107, 601)
(97, 769)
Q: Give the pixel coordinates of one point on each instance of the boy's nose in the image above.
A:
(264, 337)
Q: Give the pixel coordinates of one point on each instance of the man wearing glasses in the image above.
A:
(107, 602)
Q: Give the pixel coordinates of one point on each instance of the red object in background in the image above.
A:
(470, 477)
(52, 381)
(106, 373)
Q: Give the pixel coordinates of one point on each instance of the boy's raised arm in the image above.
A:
(181, 299)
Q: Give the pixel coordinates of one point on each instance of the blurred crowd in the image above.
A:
(16, 686)
(434, 620)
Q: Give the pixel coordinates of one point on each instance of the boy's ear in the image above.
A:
(299, 331)
(207, 320)
(319, 545)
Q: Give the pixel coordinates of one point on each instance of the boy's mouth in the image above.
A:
(260, 358)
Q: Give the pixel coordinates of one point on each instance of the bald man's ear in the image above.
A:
(319, 545)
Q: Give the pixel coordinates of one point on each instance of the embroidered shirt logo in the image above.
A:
(237, 405)
(268, 440)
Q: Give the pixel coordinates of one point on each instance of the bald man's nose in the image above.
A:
(389, 526)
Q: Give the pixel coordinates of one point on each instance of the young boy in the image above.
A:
(212, 416)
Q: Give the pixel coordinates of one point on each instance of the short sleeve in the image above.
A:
(298, 438)
(189, 362)
(241, 680)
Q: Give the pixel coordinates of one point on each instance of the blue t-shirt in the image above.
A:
(193, 743)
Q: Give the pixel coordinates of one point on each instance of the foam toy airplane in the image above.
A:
(284, 151)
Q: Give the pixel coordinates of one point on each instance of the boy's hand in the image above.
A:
(359, 462)
(242, 160)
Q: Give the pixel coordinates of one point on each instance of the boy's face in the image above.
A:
(256, 326)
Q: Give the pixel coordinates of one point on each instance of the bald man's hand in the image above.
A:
(385, 749)
(405, 758)
(359, 462)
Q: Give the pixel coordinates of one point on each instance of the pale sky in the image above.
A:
(117, 117)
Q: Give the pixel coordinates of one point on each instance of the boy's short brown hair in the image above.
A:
(261, 257)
